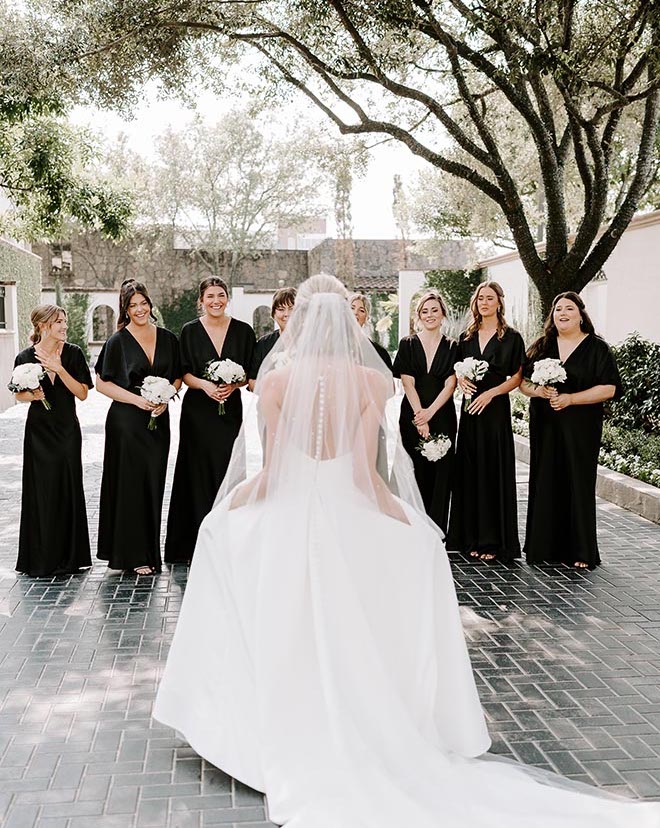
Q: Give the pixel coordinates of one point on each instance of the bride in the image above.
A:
(319, 655)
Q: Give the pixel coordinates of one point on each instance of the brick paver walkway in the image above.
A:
(567, 664)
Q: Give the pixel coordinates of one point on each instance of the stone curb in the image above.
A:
(640, 498)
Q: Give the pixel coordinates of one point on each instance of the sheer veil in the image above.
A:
(322, 397)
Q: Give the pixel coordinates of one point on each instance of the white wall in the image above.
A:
(410, 281)
(627, 300)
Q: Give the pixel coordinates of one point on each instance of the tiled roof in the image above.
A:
(377, 282)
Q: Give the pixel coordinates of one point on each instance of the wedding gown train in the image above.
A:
(322, 660)
(319, 654)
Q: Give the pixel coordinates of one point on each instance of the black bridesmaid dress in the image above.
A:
(564, 447)
(206, 437)
(433, 478)
(484, 509)
(54, 538)
(135, 459)
(263, 347)
(383, 353)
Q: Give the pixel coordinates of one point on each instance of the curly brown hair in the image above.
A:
(502, 325)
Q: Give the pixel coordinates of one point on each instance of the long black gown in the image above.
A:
(206, 438)
(54, 538)
(383, 353)
(263, 347)
(433, 478)
(564, 446)
(135, 459)
(484, 512)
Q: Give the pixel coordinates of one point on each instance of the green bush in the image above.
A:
(179, 310)
(77, 305)
(631, 451)
(455, 286)
(639, 366)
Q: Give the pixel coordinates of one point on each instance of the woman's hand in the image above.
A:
(561, 401)
(36, 394)
(158, 410)
(468, 388)
(479, 404)
(211, 390)
(546, 392)
(145, 405)
(423, 416)
(225, 390)
(51, 362)
(424, 431)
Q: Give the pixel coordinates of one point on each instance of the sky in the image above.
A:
(372, 195)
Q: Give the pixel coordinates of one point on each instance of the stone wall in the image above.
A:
(152, 258)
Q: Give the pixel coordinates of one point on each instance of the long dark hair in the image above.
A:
(502, 325)
(541, 346)
(127, 291)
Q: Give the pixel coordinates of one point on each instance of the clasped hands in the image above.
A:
(219, 393)
(479, 403)
(557, 401)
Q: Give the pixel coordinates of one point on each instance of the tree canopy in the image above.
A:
(44, 161)
(450, 79)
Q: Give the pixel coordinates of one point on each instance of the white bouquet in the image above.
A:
(473, 370)
(548, 372)
(27, 377)
(434, 447)
(224, 372)
(157, 390)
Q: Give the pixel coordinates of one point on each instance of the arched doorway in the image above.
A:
(262, 321)
(103, 323)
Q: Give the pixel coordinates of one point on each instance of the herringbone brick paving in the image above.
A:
(567, 665)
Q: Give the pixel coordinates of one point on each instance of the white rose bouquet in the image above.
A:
(473, 370)
(157, 390)
(224, 372)
(435, 447)
(548, 372)
(27, 377)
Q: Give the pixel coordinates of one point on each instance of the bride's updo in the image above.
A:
(320, 283)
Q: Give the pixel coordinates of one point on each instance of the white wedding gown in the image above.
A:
(320, 658)
(319, 654)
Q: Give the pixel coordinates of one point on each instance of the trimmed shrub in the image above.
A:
(639, 366)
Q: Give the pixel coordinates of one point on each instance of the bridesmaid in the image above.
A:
(283, 301)
(135, 459)
(54, 538)
(206, 437)
(425, 363)
(565, 426)
(361, 308)
(484, 514)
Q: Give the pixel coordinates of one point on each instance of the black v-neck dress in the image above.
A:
(206, 438)
(263, 347)
(484, 511)
(54, 538)
(564, 447)
(135, 459)
(433, 478)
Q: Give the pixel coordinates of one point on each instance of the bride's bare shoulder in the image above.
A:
(374, 380)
